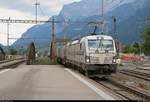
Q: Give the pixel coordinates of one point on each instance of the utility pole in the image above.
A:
(115, 34)
(36, 10)
(102, 23)
(8, 24)
(8, 32)
(114, 27)
(53, 42)
(65, 31)
(10, 21)
(140, 47)
(102, 8)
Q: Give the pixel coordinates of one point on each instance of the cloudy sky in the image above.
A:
(25, 9)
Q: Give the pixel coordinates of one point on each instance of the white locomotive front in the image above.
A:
(93, 55)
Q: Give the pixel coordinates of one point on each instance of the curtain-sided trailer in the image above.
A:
(94, 55)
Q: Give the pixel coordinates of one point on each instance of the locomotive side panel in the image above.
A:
(75, 54)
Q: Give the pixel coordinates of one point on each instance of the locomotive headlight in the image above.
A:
(114, 60)
(87, 59)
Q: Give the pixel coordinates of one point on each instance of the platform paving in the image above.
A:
(45, 82)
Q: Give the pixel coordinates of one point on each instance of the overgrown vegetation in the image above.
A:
(145, 47)
(135, 48)
(146, 38)
(13, 51)
(44, 61)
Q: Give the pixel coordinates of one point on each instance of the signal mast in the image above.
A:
(102, 22)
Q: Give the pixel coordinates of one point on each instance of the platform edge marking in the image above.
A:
(95, 89)
(3, 71)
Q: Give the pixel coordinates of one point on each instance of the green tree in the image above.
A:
(146, 38)
(135, 48)
(13, 51)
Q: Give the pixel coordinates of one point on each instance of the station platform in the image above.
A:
(50, 82)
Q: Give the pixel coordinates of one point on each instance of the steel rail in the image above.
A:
(137, 74)
(6, 61)
(143, 69)
(124, 88)
(114, 90)
(11, 63)
(130, 90)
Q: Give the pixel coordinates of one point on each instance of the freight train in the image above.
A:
(93, 55)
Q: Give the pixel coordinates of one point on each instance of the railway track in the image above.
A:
(136, 74)
(130, 89)
(5, 61)
(116, 90)
(12, 63)
(143, 69)
(123, 90)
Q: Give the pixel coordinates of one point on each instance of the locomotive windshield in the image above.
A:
(101, 44)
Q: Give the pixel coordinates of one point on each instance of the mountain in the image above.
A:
(130, 15)
(40, 34)
(131, 29)
(2, 49)
(87, 8)
(80, 10)
(1, 45)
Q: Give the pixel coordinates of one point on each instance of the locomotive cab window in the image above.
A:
(107, 45)
(92, 44)
(101, 44)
